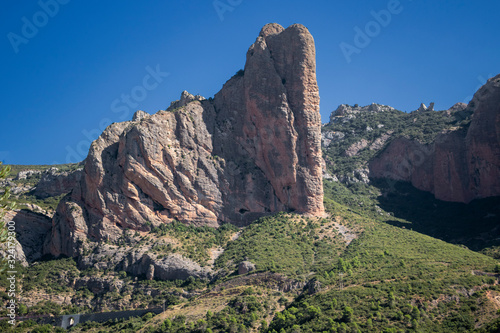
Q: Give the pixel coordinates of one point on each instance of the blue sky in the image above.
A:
(66, 68)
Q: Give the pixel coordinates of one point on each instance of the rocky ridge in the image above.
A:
(356, 136)
(54, 182)
(252, 150)
(346, 112)
(462, 164)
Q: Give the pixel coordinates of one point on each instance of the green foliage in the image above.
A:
(48, 203)
(43, 329)
(195, 241)
(378, 295)
(47, 275)
(4, 200)
(46, 307)
(348, 314)
(402, 205)
(467, 224)
(282, 243)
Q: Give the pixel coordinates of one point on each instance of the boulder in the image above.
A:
(245, 267)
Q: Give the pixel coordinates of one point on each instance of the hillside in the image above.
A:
(242, 213)
(357, 134)
(362, 268)
(335, 274)
(389, 258)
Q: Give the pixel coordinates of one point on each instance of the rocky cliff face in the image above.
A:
(460, 165)
(252, 150)
(54, 182)
(32, 228)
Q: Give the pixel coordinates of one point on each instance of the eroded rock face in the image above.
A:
(54, 182)
(252, 150)
(483, 141)
(347, 112)
(460, 165)
(274, 111)
(32, 229)
(356, 147)
(328, 137)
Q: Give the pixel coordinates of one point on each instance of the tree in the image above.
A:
(342, 267)
(348, 314)
(23, 309)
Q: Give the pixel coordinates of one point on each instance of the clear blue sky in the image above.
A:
(67, 76)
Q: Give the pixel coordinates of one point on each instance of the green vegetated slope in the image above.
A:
(388, 279)
(393, 279)
(389, 258)
(195, 243)
(474, 225)
(288, 244)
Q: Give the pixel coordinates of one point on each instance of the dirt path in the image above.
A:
(214, 253)
(235, 236)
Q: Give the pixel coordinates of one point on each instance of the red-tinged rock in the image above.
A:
(461, 165)
(252, 150)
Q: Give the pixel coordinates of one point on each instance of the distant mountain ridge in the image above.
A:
(455, 153)
(462, 164)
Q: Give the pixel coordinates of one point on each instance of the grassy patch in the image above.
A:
(392, 279)
(286, 244)
(192, 242)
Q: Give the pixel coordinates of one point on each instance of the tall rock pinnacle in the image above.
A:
(252, 150)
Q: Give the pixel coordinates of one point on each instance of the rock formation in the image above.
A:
(32, 228)
(252, 150)
(346, 112)
(461, 165)
(245, 267)
(327, 137)
(54, 182)
(356, 147)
